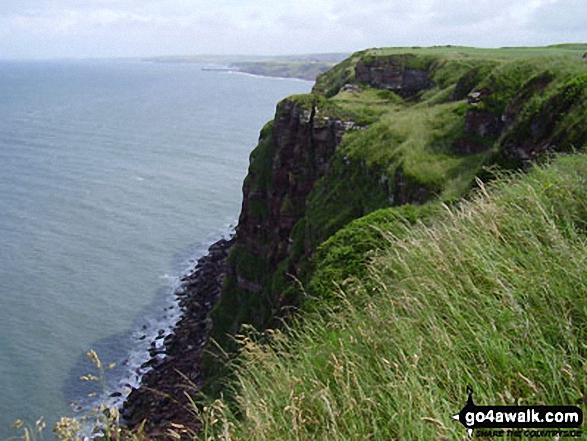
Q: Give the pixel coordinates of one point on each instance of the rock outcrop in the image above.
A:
(161, 399)
(294, 151)
(300, 145)
(397, 73)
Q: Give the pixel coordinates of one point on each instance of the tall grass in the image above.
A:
(493, 295)
(102, 422)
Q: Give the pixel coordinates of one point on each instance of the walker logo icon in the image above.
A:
(519, 417)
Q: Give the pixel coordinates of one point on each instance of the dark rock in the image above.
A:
(155, 352)
(391, 73)
(482, 127)
(477, 96)
(167, 378)
(146, 364)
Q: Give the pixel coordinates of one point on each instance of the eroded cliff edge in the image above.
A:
(383, 130)
(381, 134)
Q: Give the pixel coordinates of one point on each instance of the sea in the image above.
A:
(115, 176)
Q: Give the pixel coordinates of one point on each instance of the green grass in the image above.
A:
(405, 151)
(505, 53)
(492, 294)
(342, 259)
(329, 83)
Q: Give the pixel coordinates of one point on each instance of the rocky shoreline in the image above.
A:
(161, 398)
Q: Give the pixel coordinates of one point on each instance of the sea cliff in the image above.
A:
(385, 139)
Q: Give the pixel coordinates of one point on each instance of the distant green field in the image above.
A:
(305, 70)
(571, 50)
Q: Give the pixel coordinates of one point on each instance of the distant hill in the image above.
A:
(305, 67)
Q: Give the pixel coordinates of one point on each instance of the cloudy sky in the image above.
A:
(115, 28)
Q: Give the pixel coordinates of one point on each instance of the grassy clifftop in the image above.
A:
(386, 128)
(492, 293)
(344, 71)
(353, 213)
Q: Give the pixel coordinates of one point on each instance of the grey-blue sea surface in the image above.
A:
(114, 174)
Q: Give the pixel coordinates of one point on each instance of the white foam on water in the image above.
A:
(269, 77)
(163, 317)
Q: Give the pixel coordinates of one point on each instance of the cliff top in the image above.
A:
(344, 226)
(330, 82)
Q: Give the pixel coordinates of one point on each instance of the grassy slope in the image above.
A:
(465, 56)
(417, 137)
(574, 50)
(492, 294)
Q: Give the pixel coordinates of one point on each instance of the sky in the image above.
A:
(38, 29)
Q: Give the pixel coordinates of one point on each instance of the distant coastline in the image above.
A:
(254, 74)
(274, 77)
(306, 67)
(220, 69)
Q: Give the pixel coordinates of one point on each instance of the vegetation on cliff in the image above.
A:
(373, 276)
(386, 128)
(492, 294)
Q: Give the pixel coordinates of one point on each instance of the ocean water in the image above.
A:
(114, 176)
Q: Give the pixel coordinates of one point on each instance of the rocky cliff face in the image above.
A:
(300, 145)
(377, 132)
(294, 152)
(398, 73)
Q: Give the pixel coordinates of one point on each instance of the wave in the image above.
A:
(134, 351)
